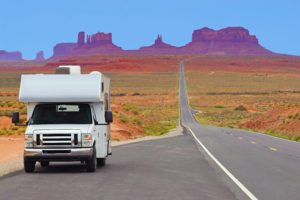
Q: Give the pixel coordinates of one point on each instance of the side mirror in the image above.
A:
(108, 117)
(15, 118)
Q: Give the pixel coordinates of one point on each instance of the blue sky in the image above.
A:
(33, 25)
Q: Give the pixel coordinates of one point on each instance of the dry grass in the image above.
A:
(147, 100)
(144, 91)
(245, 93)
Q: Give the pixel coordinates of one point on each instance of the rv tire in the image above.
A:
(101, 162)
(91, 164)
(29, 165)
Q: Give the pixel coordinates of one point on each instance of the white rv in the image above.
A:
(68, 117)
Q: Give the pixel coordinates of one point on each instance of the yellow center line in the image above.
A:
(272, 149)
(252, 142)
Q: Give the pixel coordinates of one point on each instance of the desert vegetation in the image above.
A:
(144, 92)
(260, 94)
(145, 101)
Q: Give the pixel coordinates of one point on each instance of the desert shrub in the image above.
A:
(123, 118)
(23, 111)
(6, 113)
(296, 116)
(2, 103)
(137, 121)
(219, 106)
(118, 94)
(131, 108)
(21, 128)
(10, 103)
(2, 132)
(136, 94)
(160, 128)
(241, 108)
(296, 138)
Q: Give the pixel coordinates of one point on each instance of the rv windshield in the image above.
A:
(61, 114)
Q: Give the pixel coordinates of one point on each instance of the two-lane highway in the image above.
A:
(262, 166)
(170, 169)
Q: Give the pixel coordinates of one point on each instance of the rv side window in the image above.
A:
(61, 114)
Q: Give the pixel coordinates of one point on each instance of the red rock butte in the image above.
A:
(10, 56)
(39, 56)
(205, 41)
(159, 47)
(230, 34)
(98, 43)
(227, 41)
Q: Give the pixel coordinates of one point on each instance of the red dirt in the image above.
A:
(5, 122)
(285, 119)
(264, 65)
(121, 131)
(11, 148)
(102, 63)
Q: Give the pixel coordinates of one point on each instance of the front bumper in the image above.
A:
(76, 154)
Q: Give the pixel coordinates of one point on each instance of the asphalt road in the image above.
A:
(174, 168)
(268, 167)
(170, 168)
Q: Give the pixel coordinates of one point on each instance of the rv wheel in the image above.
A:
(101, 162)
(29, 165)
(91, 164)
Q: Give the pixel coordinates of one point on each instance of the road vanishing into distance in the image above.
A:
(204, 163)
(262, 166)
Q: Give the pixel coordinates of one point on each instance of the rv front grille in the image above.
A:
(52, 140)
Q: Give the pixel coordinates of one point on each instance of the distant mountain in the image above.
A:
(227, 41)
(205, 41)
(10, 56)
(159, 47)
(40, 56)
(63, 49)
(98, 43)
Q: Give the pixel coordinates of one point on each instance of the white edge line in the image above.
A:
(227, 172)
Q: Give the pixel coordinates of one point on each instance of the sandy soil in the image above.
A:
(11, 148)
(5, 122)
(283, 118)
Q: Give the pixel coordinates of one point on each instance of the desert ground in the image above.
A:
(254, 93)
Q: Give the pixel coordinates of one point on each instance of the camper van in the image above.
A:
(68, 118)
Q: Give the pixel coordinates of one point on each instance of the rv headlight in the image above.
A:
(87, 139)
(28, 140)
